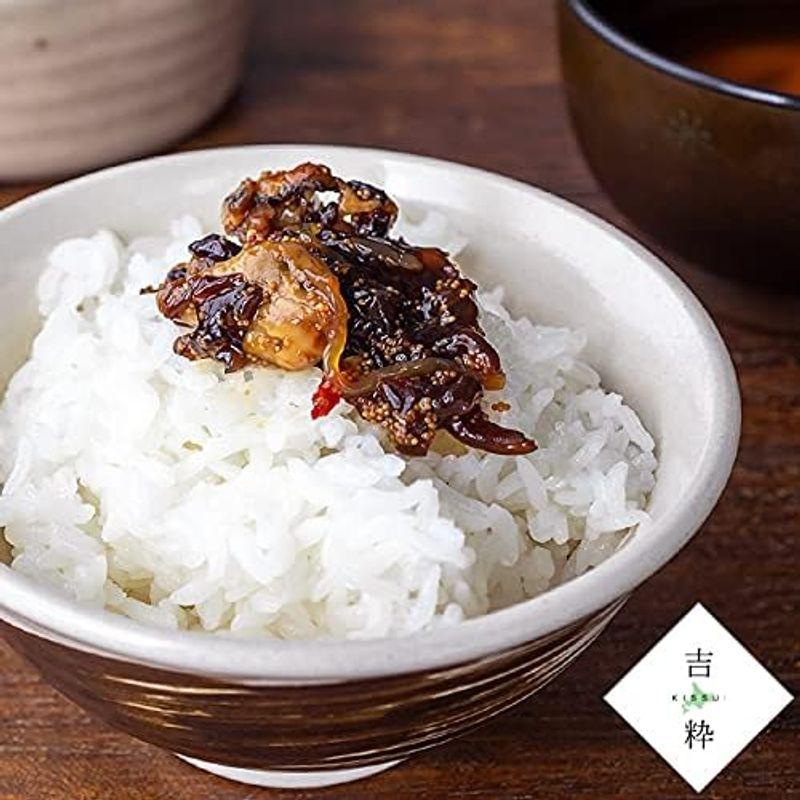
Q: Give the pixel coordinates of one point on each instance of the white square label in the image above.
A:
(698, 698)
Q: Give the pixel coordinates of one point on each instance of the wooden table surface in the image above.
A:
(478, 82)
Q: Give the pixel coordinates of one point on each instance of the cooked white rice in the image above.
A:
(178, 495)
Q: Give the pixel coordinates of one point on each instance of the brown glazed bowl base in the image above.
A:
(308, 734)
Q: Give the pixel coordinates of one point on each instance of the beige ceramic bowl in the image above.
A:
(89, 82)
(317, 712)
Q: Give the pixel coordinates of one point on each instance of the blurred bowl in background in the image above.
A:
(705, 167)
(90, 82)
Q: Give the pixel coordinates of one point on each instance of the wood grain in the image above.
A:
(478, 82)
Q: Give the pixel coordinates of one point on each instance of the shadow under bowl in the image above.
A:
(328, 711)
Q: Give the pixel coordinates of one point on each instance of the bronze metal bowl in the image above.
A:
(707, 168)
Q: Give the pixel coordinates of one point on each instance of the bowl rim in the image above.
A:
(588, 13)
(41, 611)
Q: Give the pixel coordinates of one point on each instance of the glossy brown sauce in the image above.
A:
(756, 44)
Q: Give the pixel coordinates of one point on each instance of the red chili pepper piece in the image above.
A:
(324, 399)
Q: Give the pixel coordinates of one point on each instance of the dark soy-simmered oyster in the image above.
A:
(294, 199)
(316, 278)
(270, 302)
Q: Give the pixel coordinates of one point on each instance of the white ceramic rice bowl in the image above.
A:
(650, 340)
